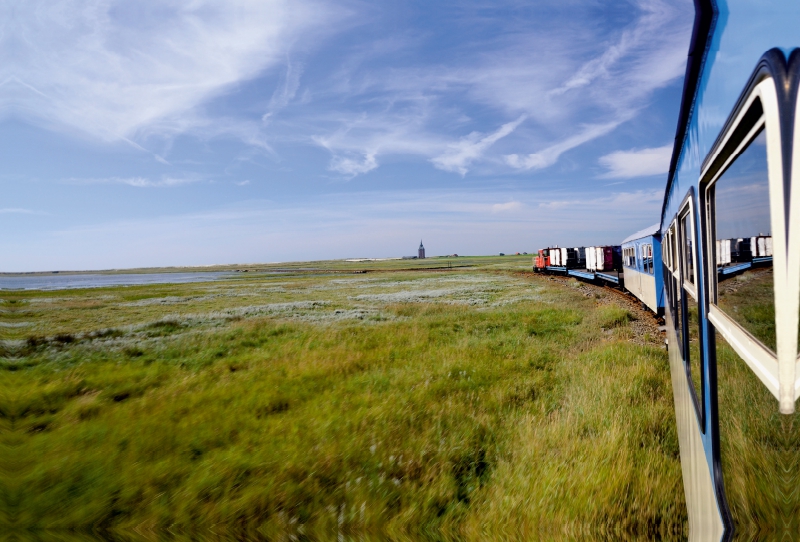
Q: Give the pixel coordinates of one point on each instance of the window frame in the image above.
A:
(793, 253)
(686, 215)
(736, 137)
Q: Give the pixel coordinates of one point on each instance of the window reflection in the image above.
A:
(758, 450)
(679, 319)
(693, 352)
(743, 246)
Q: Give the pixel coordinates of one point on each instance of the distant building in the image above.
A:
(421, 251)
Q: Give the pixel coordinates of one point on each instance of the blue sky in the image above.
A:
(203, 132)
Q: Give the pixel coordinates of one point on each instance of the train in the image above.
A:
(631, 266)
(722, 267)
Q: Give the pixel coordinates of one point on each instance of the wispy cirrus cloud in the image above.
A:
(573, 82)
(16, 211)
(549, 156)
(352, 166)
(636, 163)
(461, 154)
(286, 90)
(115, 70)
(136, 182)
(509, 206)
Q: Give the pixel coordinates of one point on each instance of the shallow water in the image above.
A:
(63, 281)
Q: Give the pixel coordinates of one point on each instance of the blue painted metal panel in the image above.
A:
(582, 274)
(734, 268)
(739, 39)
(556, 269)
(609, 278)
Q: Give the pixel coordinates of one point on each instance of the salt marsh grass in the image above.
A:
(474, 404)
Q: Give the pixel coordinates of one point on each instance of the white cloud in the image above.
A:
(137, 182)
(637, 163)
(642, 200)
(506, 207)
(461, 154)
(13, 210)
(350, 167)
(116, 70)
(286, 91)
(575, 80)
(549, 156)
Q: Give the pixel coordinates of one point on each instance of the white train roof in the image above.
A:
(647, 232)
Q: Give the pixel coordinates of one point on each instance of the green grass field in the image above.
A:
(474, 403)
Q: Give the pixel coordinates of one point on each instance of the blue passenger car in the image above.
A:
(733, 337)
(641, 267)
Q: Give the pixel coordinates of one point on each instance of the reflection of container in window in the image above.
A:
(742, 218)
(723, 252)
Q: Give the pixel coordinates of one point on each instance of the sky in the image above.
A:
(201, 132)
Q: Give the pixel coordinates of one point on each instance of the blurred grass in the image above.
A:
(759, 448)
(749, 298)
(471, 404)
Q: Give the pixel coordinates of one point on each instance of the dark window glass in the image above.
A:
(693, 361)
(758, 451)
(679, 316)
(742, 221)
(674, 249)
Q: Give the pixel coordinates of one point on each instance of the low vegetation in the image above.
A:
(475, 404)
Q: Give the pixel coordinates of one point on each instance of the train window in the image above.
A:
(652, 261)
(673, 282)
(692, 352)
(742, 223)
(643, 257)
(645, 263)
(668, 244)
(628, 258)
(758, 451)
(678, 315)
(674, 247)
(687, 248)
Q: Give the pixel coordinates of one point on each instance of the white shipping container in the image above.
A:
(762, 247)
(600, 259)
(590, 258)
(723, 252)
(768, 243)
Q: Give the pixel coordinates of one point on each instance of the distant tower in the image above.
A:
(421, 251)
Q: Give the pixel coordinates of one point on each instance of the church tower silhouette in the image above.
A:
(421, 251)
